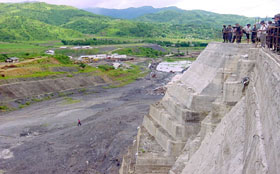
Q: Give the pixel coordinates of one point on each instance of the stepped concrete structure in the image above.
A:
(221, 117)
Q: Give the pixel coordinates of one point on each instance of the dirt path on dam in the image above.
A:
(44, 137)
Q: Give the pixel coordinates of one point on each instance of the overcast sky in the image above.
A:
(251, 8)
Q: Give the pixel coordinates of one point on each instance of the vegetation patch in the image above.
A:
(106, 67)
(141, 52)
(126, 76)
(95, 41)
(63, 59)
(40, 68)
(24, 105)
(69, 100)
(34, 75)
(4, 108)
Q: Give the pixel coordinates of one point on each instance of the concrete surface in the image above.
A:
(226, 127)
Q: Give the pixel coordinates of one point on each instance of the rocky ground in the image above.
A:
(44, 137)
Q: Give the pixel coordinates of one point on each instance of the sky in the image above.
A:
(250, 8)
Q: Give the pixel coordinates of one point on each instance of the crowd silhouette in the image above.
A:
(263, 34)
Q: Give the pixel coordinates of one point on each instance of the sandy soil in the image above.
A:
(44, 138)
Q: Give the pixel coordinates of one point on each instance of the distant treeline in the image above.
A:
(94, 41)
(178, 44)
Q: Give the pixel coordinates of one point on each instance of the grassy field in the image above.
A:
(141, 52)
(76, 53)
(29, 49)
(13, 48)
(47, 67)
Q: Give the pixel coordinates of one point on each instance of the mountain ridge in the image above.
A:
(128, 13)
(64, 22)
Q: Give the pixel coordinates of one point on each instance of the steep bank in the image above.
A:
(44, 78)
(33, 88)
(209, 122)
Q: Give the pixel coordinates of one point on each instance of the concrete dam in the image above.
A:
(222, 116)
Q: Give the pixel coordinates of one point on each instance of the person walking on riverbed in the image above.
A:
(79, 122)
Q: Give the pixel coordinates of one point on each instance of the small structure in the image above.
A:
(86, 47)
(97, 57)
(12, 60)
(76, 48)
(117, 56)
(116, 65)
(101, 56)
(90, 58)
(63, 47)
(50, 52)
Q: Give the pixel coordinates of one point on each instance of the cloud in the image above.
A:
(250, 8)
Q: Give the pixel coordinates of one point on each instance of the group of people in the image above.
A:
(260, 32)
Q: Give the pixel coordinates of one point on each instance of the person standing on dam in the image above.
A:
(269, 35)
(233, 34)
(277, 31)
(229, 33)
(262, 32)
(224, 31)
(254, 34)
(247, 31)
(238, 33)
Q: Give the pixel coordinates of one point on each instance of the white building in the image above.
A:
(101, 56)
(12, 60)
(86, 47)
(116, 56)
(50, 52)
(76, 48)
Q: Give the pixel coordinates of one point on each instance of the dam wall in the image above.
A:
(211, 120)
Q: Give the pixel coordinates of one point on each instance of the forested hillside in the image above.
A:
(129, 13)
(41, 21)
(195, 17)
(22, 28)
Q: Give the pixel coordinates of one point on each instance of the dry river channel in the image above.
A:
(44, 138)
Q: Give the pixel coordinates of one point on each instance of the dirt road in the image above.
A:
(44, 138)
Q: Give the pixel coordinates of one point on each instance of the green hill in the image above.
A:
(195, 17)
(41, 21)
(129, 13)
(47, 13)
(195, 23)
(22, 28)
(32, 21)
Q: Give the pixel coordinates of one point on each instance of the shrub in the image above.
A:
(63, 59)
(4, 108)
(3, 57)
(106, 67)
(82, 65)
